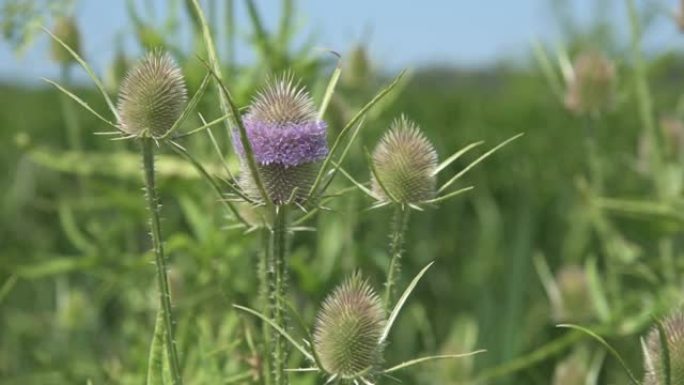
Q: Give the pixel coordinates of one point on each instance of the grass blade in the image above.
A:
(606, 345)
(431, 358)
(476, 162)
(155, 361)
(375, 173)
(81, 102)
(89, 70)
(190, 106)
(278, 329)
(448, 196)
(402, 300)
(349, 126)
(330, 89)
(455, 156)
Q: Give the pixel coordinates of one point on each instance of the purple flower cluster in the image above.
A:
(288, 144)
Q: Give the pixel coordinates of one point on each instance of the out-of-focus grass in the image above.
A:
(76, 283)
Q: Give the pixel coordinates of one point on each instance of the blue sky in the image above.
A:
(399, 33)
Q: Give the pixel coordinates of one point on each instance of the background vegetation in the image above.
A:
(77, 294)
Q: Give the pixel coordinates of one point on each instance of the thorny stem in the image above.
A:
(278, 280)
(264, 292)
(162, 279)
(396, 247)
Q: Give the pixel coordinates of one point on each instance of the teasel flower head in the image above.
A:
(591, 86)
(152, 96)
(66, 30)
(575, 303)
(673, 326)
(287, 139)
(348, 331)
(405, 162)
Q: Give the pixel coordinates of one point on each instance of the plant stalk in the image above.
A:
(162, 279)
(278, 281)
(396, 248)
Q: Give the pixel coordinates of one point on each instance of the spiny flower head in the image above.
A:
(591, 89)
(348, 330)
(287, 139)
(152, 96)
(674, 333)
(405, 162)
(65, 29)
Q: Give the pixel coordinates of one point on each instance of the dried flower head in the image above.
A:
(576, 304)
(348, 330)
(65, 29)
(405, 162)
(152, 96)
(287, 139)
(591, 88)
(674, 333)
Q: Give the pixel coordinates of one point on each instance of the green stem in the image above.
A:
(264, 292)
(278, 280)
(162, 279)
(396, 247)
(70, 117)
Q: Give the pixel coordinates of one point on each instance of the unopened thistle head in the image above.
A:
(674, 335)
(287, 139)
(576, 304)
(152, 96)
(348, 330)
(66, 30)
(591, 88)
(405, 162)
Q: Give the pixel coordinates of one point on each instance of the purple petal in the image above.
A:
(288, 144)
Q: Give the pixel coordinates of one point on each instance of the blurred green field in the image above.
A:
(77, 289)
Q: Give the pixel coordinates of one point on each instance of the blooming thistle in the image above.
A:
(673, 326)
(348, 331)
(404, 161)
(287, 139)
(152, 97)
(591, 86)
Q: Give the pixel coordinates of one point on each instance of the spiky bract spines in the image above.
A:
(591, 88)
(287, 139)
(348, 330)
(405, 162)
(673, 326)
(152, 96)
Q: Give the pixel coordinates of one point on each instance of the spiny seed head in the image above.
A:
(576, 305)
(591, 89)
(348, 330)
(674, 333)
(287, 139)
(65, 29)
(405, 162)
(152, 96)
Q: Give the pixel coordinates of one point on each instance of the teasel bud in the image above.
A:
(348, 330)
(405, 162)
(591, 87)
(287, 139)
(576, 304)
(152, 96)
(673, 326)
(65, 29)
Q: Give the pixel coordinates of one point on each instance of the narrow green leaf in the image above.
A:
(348, 127)
(431, 358)
(665, 363)
(596, 290)
(89, 70)
(606, 345)
(155, 361)
(278, 329)
(402, 300)
(203, 127)
(307, 332)
(357, 184)
(455, 156)
(375, 173)
(330, 89)
(476, 162)
(81, 102)
(190, 107)
(448, 196)
(7, 287)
